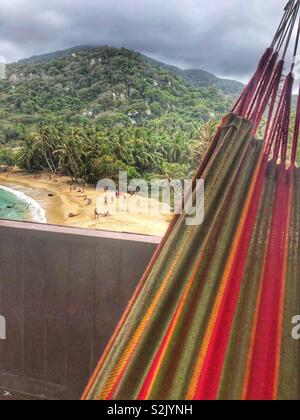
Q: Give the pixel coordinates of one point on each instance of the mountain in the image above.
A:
(107, 86)
(88, 112)
(194, 77)
(46, 58)
(203, 79)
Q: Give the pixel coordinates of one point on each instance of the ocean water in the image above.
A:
(15, 205)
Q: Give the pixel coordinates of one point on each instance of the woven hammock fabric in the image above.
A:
(213, 320)
(212, 316)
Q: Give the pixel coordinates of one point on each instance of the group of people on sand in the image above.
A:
(52, 176)
(80, 190)
(111, 198)
(89, 201)
(108, 199)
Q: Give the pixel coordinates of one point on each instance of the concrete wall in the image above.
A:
(62, 292)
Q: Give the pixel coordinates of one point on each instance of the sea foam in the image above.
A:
(37, 212)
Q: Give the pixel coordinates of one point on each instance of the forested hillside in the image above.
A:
(203, 79)
(145, 116)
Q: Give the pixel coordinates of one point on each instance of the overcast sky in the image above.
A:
(223, 36)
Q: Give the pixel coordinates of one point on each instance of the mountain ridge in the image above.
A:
(202, 78)
(103, 85)
(195, 77)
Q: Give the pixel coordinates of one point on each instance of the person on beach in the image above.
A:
(72, 215)
(106, 214)
(97, 215)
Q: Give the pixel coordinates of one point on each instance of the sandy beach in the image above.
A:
(126, 214)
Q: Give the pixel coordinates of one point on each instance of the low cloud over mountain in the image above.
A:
(225, 37)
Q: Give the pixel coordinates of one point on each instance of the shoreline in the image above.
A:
(37, 212)
(56, 199)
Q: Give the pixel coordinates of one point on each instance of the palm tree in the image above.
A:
(49, 140)
(198, 148)
(30, 157)
(69, 153)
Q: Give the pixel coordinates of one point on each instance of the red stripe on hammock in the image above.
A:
(262, 376)
(145, 389)
(210, 377)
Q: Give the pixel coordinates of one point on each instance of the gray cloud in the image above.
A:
(223, 36)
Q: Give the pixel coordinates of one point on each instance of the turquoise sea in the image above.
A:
(15, 205)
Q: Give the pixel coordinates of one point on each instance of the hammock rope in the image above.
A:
(211, 317)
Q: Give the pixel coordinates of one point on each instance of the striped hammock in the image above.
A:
(212, 316)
